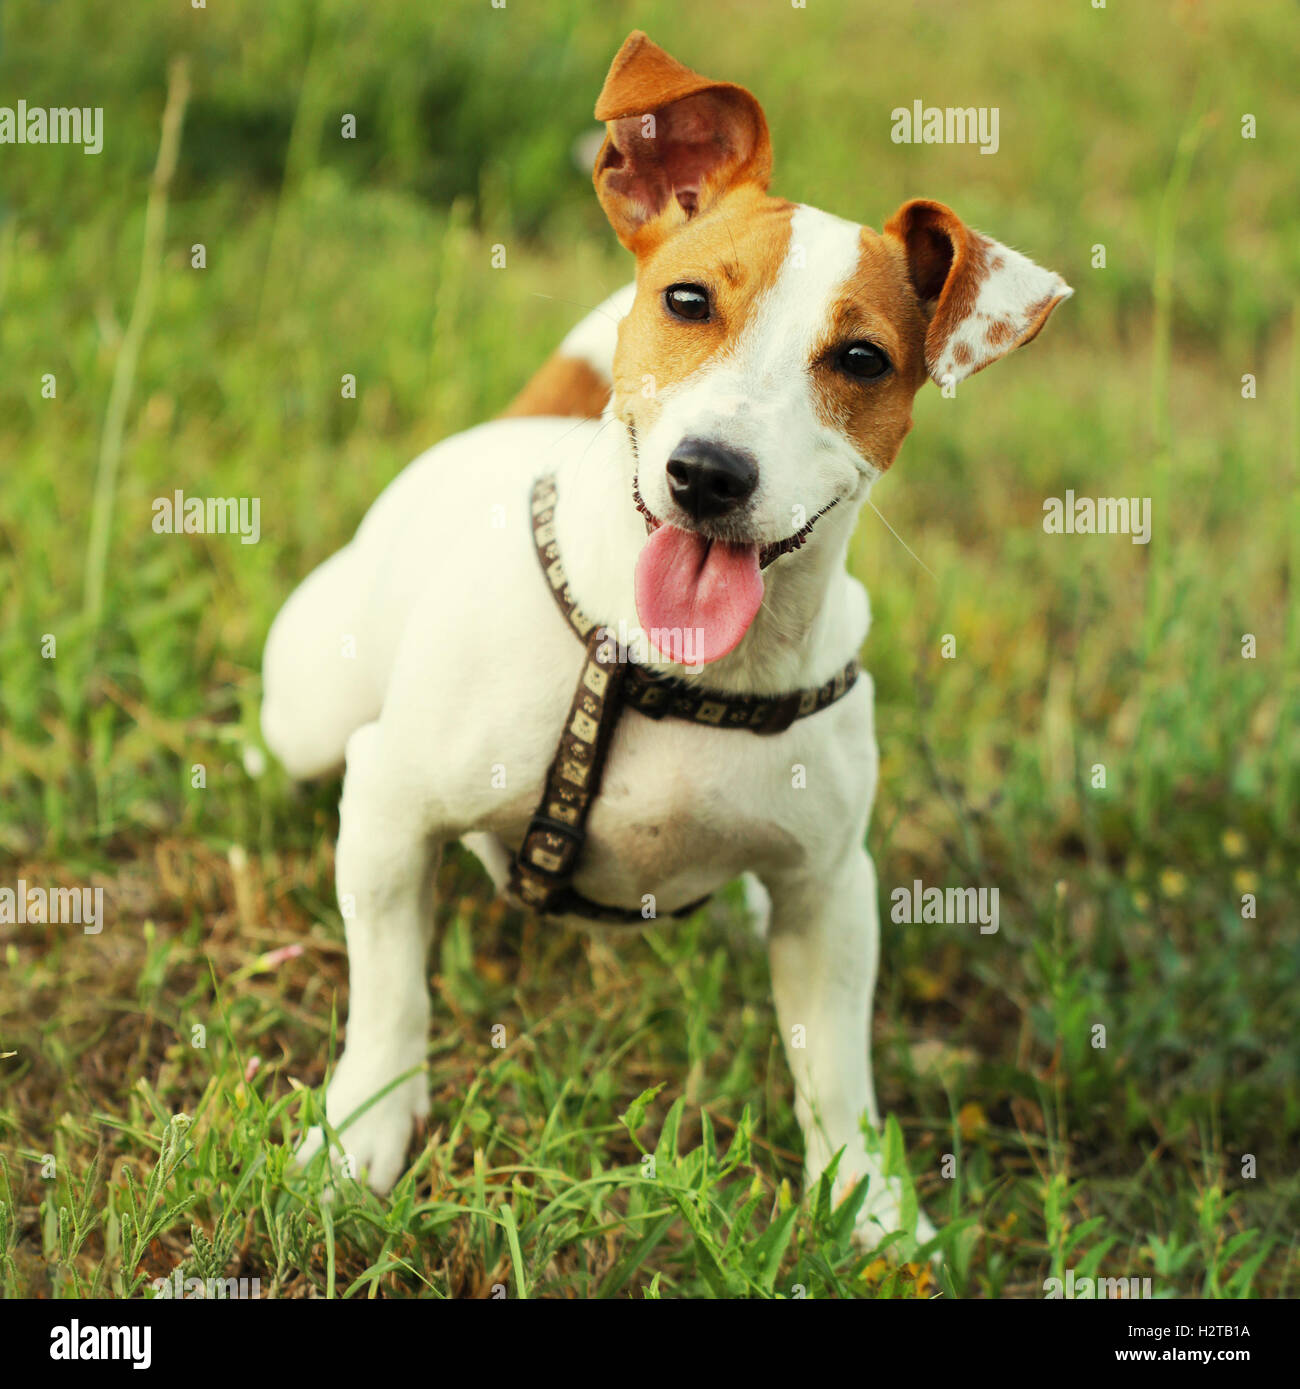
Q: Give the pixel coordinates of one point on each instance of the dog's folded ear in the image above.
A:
(675, 142)
(981, 299)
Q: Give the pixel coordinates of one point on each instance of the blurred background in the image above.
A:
(1121, 128)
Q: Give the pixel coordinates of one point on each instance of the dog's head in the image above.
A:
(767, 367)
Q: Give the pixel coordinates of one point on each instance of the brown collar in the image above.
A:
(542, 872)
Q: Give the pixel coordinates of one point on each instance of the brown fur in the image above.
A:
(879, 305)
(675, 142)
(1038, 315)
(736, 251)
(563, 386)
(948, 263)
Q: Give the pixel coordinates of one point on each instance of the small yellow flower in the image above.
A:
(490, 969)
(1172, 883)
(925, 984)
(1142, 900)
(971, 1120)
(875, 1271)
(924, 1282)
(1245, 881)
(1234, 843)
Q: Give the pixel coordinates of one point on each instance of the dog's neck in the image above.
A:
(814, 616)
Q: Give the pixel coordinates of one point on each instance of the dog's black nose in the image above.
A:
(708, 480)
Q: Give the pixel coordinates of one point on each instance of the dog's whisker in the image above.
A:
(903, 542)
(609, 419)
(578, 304)
(585, 419)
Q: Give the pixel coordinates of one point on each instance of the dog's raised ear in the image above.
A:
(980, 298)
(674, 143)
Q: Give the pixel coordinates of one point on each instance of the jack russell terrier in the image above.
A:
(617, 656)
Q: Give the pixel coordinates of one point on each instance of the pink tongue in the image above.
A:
(696, 597)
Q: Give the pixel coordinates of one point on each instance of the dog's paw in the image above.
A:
(373, 1143)
(881, 1214)
(925, 1231)
(879, 1219)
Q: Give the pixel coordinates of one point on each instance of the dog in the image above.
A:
(690, 526)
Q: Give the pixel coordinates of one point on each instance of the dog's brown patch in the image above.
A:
(999, 332)
(675, 143)
(562, 386)
(877, 304)
(736, 252)
(1038, 314)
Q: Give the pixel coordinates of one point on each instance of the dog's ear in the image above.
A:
(980, 298)
(674, 143)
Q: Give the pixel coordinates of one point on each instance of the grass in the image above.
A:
(1121, 904)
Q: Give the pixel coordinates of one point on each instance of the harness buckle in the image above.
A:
(575, 834)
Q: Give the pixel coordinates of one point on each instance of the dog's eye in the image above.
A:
(863, 360)
(687, 301)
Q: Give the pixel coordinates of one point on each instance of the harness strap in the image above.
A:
(664, 696)
(541, 874)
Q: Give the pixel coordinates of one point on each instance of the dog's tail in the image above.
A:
(575, 379)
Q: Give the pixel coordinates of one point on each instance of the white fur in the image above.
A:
(758, 394)
(464, 669)
(1006, 296)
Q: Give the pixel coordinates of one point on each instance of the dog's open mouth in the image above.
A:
(766, 552)
(696, 596)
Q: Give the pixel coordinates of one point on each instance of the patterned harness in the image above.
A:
(541, 874)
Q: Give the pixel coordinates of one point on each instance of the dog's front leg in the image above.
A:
(823, 944)
(385, 870)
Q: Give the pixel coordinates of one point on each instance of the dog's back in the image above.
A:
(576, 378)
(574, 382)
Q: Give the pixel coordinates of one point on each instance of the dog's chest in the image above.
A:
(662, 811)
(683, 810)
